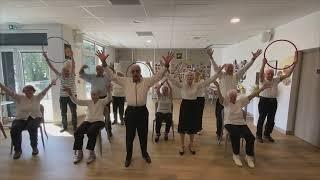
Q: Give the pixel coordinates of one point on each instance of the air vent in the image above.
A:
(125, 2)
(145, 33)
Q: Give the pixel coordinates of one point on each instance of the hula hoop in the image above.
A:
(55, 37)
(284, 40)
(138, 63)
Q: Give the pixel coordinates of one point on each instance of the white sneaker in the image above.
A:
(250, 161)
(237, 160)
(92, 157)
(78, 157)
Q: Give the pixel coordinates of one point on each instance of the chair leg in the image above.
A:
(11, 148)
(2, 129)
(44, 129)
(152, 130)
(41, 132)
(100, 143)
(172, 127)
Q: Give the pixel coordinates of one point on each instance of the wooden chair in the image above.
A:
(163, 123)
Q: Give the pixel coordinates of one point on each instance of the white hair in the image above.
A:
(95, 91)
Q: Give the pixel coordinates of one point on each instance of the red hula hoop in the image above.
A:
(295, 55)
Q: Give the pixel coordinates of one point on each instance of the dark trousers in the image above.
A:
(238, 131)
(107, 118)
(201, 102)
(136, 119)
(219, 118)
(118, 103)
(31, 125)
(167, 118)
(267, 109)
(64, 102)
(92, 130)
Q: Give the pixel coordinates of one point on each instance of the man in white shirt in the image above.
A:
(228, 80)
(136, 115)
(236, 124)
(268, 101)
(100, 83)
(28, 116)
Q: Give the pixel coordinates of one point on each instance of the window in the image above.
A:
(89, 46)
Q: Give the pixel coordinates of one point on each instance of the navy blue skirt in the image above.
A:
(188, 117)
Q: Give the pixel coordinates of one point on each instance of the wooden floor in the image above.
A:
(288, 158)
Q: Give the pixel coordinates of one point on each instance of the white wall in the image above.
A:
(304, 32)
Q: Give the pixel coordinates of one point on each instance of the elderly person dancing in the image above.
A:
(28, 116)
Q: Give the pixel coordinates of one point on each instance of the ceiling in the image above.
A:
(174, 23)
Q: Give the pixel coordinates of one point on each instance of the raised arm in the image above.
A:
(213, 63)
(74, 99)
(261, 74)
(258, 91)
(211, 79)
(50, 65)
(73, 64)
(288, 74)
(174, 81)
(109, 73)
(8, 91)
(221, 98)
(243, 70)
(157, 77)
(170, 88)
(45, 90)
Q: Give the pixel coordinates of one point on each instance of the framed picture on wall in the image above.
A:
(179, 55)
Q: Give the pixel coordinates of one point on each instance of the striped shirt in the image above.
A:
(69, 82)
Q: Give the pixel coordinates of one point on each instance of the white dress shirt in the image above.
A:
(26, 107)
(191, 92)
(95, 110)
(273, 91)
(233, 112)
(136, 92)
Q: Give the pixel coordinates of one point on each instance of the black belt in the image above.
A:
(266, 98)
(136, 107)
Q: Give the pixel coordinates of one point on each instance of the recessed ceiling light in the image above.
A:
(235, 20)
(149, 41)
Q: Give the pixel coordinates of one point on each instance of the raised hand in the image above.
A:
(210, 52)
(85, 66)
(168, 58)
(256, 54)
(102, 56)
(264, 61)
(216, 83)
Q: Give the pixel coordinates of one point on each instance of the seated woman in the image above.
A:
(28, 116)
(164, 109)
(91, 126)
(236, 125)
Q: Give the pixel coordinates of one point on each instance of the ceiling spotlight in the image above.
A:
(235, 20)
(149, 41)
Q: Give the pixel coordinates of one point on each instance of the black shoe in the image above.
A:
(269, 138)
(127, 163)
(259, 139)
(114, 122)
(63, 130)
(74, 128)
(166, 137)
(181, 152)
(35, 151)
(110, 134)
(191, 150)
(147, 158)
(122, 123)
(17, 154)
(157, 138)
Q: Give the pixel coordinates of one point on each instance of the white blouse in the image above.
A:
(26, 107)
(233, 112)
(94, 110)
(191, 92)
